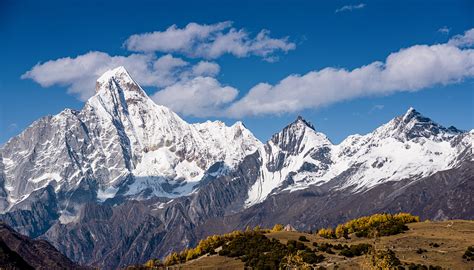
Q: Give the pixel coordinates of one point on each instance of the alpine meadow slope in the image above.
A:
(124, 179)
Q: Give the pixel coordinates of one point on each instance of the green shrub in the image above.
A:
(355, 250)
(340, 247)
(303, 238)
(346, 253)
(413, 266)
(256, 250)
(421, 251)
(294, 246)
(326, 247)
(310, 257)
(469, 254)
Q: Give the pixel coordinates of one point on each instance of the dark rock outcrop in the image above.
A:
(20, 252)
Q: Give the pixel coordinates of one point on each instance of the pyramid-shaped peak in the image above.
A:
(414, 115)
(118, 79)
(116, 73)
(301, 121)
(411, 113)
(413, 124)
(411, 110)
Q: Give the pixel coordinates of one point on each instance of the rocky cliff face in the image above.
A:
(20, 252)
(134, 231)
(124, 179)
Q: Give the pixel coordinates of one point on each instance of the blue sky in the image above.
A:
(320, 34)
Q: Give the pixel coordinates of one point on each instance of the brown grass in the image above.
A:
(453, 238)
(214, 262)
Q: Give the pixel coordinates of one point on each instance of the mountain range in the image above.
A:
(124, 179)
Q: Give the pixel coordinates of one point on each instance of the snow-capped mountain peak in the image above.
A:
(298, 147)
(300, 121)
(298, 136)
(120, 75)
(409, 146)
(117, 88)
(121, 142)
(414, 126)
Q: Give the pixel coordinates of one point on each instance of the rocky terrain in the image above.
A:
(20, 252)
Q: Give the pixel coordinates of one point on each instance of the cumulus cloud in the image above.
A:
(350, 7)
(209, 42)
(205, 68)
(200, 96)
(165, 70)
(191, 89)
(465, 40)
(409, 69)
(80, 73)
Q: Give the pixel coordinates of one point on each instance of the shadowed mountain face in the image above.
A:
(20, 252)
(443, 195)
(9, 259)
(124, 180)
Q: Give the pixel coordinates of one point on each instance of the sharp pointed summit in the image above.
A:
(119, 71)
(414, 115)
(413, 125)
(119, 80)
(293, 136)
(301, 121)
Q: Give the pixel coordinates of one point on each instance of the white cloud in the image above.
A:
(190, 89)
(200, 96)
(166, 70)
(410, 69)
(376, 107)
(466, 40)
(205, 68)
(350, 7)
(444, 30)
(174, 38)
(80, 73)
(209, 41)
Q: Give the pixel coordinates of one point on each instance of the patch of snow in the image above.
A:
(67, 217)
(47, 176)
(108, 193)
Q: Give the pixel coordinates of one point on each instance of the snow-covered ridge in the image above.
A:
(409, 146)
(120, 142)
